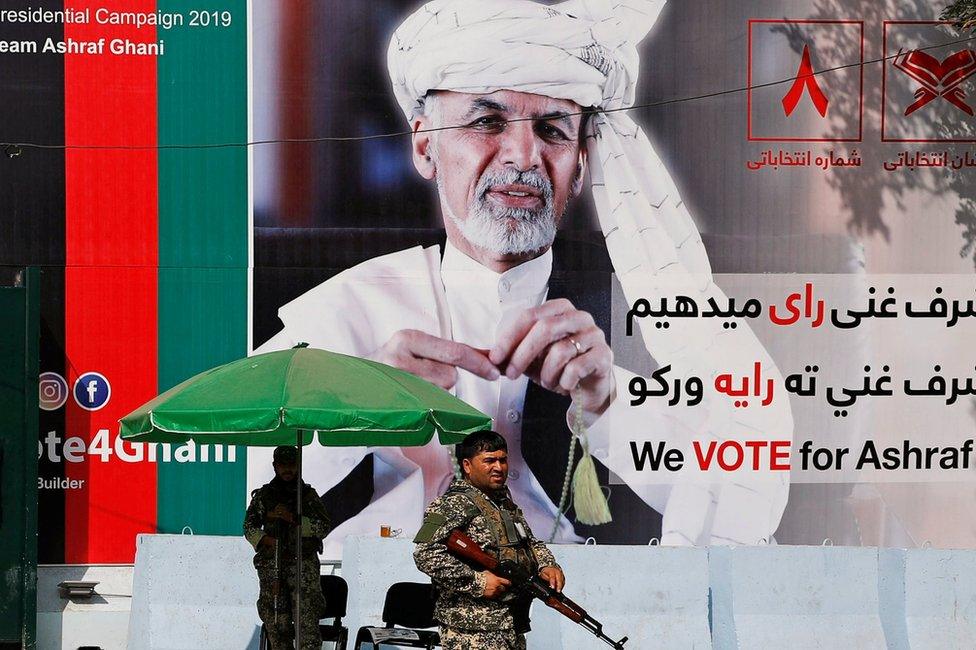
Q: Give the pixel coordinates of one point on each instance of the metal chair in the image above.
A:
(336, 593)
(408, 606)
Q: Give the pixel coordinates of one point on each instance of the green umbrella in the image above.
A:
(286, 397)
(272, 399)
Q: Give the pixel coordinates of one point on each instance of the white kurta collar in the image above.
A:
(524, 282)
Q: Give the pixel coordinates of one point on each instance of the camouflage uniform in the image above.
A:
(452, 639)
(315, 526)
(468, 620)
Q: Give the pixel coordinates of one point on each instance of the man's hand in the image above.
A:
(495, 586)
(268, 542)
(559, 347)
(282, 512)
(433, 358)
(554, 576)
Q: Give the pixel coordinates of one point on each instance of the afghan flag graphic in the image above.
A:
(136, 211)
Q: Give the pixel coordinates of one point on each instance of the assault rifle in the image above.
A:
(276, 585)
(466, 548)
(277, 530)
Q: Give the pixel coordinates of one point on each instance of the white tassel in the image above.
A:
(588, 498)
(589, 501)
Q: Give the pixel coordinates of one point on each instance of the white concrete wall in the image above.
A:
(797, 597)
(102, 620)
(193, 591)
(658, 597)
(940, 599)
(200, 591)
(370, 565)
(891, 597)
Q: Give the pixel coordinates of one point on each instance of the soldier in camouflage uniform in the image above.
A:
(271, 521)
(478, 610)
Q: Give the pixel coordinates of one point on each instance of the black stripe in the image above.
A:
(32, 206)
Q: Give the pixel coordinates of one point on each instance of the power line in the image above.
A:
(13, 149)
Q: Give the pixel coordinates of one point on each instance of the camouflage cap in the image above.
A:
(286, 454)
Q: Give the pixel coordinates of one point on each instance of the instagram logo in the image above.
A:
(52, 391)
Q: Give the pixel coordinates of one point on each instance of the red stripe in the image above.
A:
(110, 280)
(296, 103)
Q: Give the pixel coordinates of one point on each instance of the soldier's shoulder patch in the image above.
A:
(433, 521)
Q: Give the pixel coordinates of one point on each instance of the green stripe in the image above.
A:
(203, 235)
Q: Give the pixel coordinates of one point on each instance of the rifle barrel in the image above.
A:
(597, 630)
(276, 587)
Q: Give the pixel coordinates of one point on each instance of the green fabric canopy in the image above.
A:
(268, 399)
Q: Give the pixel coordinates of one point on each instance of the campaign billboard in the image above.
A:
(198, 182)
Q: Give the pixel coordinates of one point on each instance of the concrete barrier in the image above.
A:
(795, 597)
(891, 597)
(658, 598)
(100, 621)
(193, 591)
(370, 564)
(940, 599)
(200, 592)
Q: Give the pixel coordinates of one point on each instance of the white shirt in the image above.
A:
(357, 311)
(479, 299)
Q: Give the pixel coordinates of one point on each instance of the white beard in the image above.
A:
(505, 231)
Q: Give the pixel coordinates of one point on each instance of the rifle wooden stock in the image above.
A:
(563, 609)
(465, 547)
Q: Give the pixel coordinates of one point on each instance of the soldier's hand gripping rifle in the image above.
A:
(466, 548)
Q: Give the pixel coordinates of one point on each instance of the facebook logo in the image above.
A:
(92, 391)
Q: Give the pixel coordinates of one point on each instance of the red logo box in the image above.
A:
(806, 80)
(928, 84)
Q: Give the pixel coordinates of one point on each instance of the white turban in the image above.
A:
(582, 50)
(586, 51)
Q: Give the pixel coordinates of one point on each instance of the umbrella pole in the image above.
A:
(298, 554)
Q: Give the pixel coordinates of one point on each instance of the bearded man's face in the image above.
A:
(505, 177)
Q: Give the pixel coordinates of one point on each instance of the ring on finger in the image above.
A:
(576, 344)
